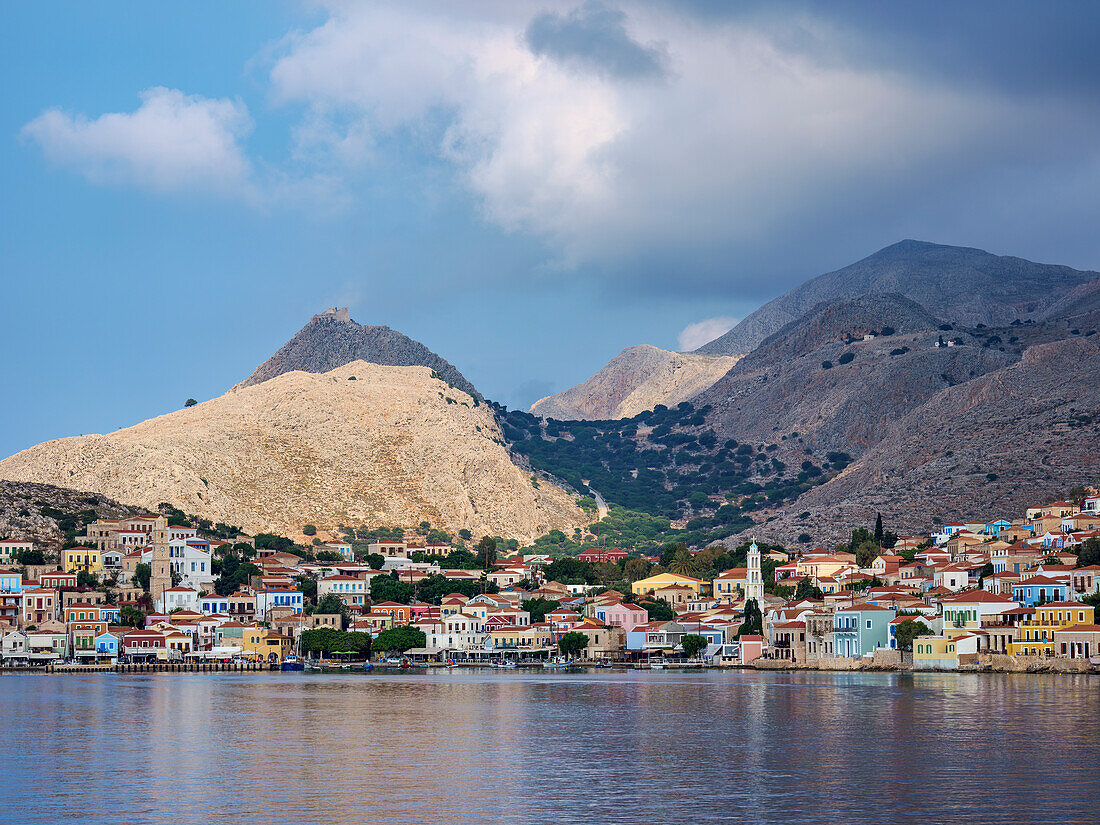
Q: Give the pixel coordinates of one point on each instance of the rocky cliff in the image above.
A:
(962, 285)
(637, 379)
(45, 514)
(988, 447)
(333, 339)
(359, 444)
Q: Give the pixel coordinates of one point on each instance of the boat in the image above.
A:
(293, 663)
(505, 665)
(555, 665)
(405, 664)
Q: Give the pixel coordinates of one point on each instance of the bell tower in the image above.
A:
(754, 584)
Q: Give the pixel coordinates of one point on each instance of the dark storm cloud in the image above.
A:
(595, 37)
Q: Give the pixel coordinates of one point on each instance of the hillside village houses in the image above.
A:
(982, 589)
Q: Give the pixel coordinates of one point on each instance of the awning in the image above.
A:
(424, 651)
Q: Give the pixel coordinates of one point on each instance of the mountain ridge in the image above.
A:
(962, 285)
(332, 339)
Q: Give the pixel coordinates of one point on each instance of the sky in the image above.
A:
(526, 188)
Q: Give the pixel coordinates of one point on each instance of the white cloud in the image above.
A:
(733, 138)
(172, 141)
(695, 335)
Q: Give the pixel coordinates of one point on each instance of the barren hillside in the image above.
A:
(361, 444)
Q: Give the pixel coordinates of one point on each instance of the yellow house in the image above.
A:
(265, 645)
(1036, 636)
(643, 587)
(83, 558)
(935, 653)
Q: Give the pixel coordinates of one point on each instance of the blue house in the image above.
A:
(10, 582)
(1039, 590)
(106, 646)
(860, 630)
(994, 528)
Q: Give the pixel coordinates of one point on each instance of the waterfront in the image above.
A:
(465, 746)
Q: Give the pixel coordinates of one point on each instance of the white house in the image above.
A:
(181, 598)
(277, 597)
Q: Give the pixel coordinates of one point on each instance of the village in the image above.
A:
(993, 595)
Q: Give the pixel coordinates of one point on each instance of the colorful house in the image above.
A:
(1035, 636)
(83, 558)
(643, 587)
(861, 629)
(1034, 590)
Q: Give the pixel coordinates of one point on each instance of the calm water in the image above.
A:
(468, 747)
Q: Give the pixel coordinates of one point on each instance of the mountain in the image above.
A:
(959, 284)
(48, 515)
(359, 444)
(820, 380)
(333, 339)
(987, 447)
(639, 378)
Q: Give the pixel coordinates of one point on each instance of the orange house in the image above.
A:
(400, 613)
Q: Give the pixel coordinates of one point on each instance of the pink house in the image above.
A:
(626, 616)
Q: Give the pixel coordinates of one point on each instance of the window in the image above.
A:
(868, 624)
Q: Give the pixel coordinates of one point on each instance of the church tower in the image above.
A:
(754, 584)
(160, 578)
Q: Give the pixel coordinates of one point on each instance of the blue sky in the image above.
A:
(526, 188)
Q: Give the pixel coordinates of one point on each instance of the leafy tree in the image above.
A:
(309, 530)
(34, 556)
(1093, 599)
(659, 610)
(486, 552)
(142, 574)
(753, 621)
(460, 560)
(271, 541)
(572, 643)
(329, 640)
(332, 603)
(878, 529)
(465, 534)
(907, 631)
(635, 569)
(693, 644)
(570, 571)
(190, 402)
(86, 579)
(807, 590)
(1089, 553)
(424, 527)
(432, 589)
(538, 608)
(390, 589)
(308, 586)
(132, 617)
(235, 573)
(400, 639)
(375, 560)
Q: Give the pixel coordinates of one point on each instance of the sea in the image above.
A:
(476, 746)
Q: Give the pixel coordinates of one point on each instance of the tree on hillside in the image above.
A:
(190, 402)
(538, 608)
(634, 569)
(328, 640)
(659, 610)
(878, 529)
(142, 574)
(333, 604)
(807, 590)
(486, 552)
(132, 617)
(572, 643)
(753, 621)
(400, 639)
(907, 631)
(693, 644)
(309, 530)
(390, 589)
(1089, 553)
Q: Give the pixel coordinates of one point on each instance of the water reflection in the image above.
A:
(463, 747)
